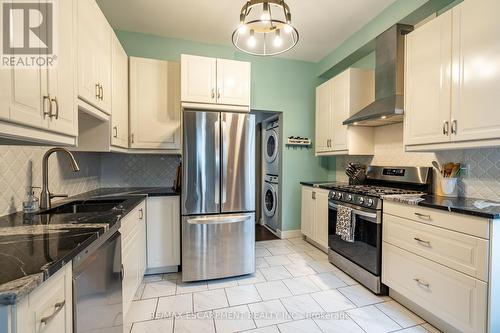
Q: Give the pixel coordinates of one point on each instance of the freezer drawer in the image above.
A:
(217, 246)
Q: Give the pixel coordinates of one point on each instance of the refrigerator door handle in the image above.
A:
(217, 161)
(220, 219)
(224, 160)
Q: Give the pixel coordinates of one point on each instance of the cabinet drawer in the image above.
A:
(466, 224)
(457, 299)
(129, 221)
(464, 253)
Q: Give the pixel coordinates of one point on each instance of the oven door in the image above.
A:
(366, 250)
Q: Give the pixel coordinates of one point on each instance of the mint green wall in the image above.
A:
(277, 85)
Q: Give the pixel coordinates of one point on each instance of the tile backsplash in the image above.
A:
(21, 167)
(482, 180)
(122, 170)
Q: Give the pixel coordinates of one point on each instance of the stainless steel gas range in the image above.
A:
(362, 258)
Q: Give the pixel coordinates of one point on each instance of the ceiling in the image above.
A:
(323, 24)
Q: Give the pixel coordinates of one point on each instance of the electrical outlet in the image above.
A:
(464, 170)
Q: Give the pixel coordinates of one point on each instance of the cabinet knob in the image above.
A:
(49, 112)
(55, 115)
(213, 93)
(218, 92)
(446, 126)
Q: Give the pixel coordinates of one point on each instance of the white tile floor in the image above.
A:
(295, 289)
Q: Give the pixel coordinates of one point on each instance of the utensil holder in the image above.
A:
(448, 187)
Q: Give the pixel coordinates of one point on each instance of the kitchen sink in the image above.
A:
(85, 206)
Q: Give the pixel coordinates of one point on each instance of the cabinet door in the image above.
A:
(119, 98)
(130, 263)
(321, 218)
(233, 82)
(88, 51)
(339, 111)
(163, 232)
(61, 79)
(198, 79)
(323, 106)
(103, 43)
(476, 55)
(307, 212)
(428, 82)
(154, 104)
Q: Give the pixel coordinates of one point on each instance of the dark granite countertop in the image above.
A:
(322, 184)
(456, 205)
(34, 247)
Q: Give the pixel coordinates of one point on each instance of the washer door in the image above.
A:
(270, 200)
(271, 146)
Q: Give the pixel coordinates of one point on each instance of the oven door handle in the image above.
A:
(355, 211)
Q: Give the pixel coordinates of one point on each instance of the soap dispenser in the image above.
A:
(32, 204)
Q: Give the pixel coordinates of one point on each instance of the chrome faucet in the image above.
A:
(46, 196)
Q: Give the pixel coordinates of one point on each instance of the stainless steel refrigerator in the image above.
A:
(218, 195)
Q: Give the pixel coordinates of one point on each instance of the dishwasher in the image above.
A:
(97, 287)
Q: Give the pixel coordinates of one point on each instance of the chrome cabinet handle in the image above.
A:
(314, 195)
(97, 90)
(115, 129)
(57, 308)
(422, 283)
(218, 92)
(446, 127)
(454, 126)
(421, 241)
(56, 115)
(46, 113)
(423, 216)
(132, 138)
(213, 93)
(122, 273)
(141, 214)
(102, 92)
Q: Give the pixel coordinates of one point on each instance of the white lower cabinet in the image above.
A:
(439, 262)
(314, 215)
(133, 231)
(47, 309)
(163, 234)
(454, 297)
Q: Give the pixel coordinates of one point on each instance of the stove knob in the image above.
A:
(332, 194)
(370, 202)
(349, 197)
(339, 195)
(361, 200)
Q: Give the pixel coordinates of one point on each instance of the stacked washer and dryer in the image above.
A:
(271, 171)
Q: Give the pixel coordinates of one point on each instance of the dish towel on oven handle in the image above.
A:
(345, 224)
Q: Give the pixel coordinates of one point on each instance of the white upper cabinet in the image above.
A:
(215, 81)
(337, 100)
(44, 98)
(428, 82)
(323, 107)
(475, 112)
(452, 78)
(233, 82)
(198, 79)
(119, 98)
(94, 56)
(155, 117)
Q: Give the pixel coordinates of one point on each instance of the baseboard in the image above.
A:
(284, 234)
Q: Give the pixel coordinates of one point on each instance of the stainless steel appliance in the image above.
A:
(362, 259)
(270, 202)
(218, 195)
(97, 287)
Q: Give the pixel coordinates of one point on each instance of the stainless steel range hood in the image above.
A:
(389, 81)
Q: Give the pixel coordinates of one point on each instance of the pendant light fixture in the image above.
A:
(265, 28)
